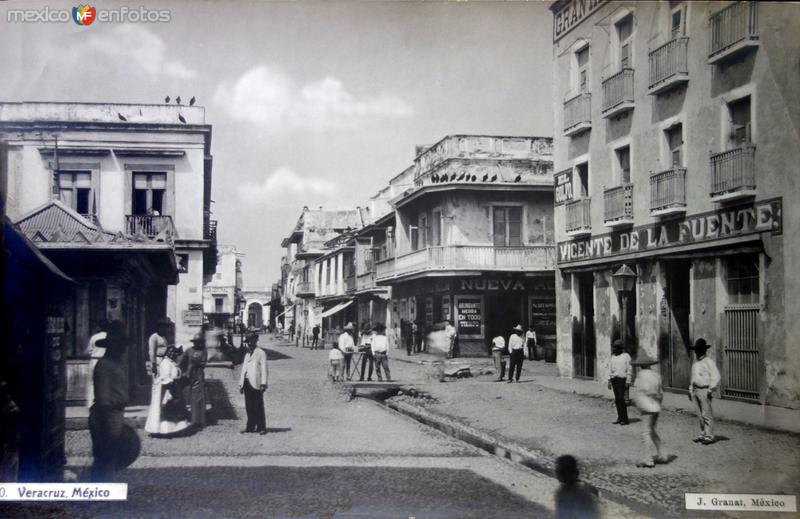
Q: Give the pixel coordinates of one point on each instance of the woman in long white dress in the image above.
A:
(167, 415)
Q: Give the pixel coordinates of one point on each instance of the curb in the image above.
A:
(534, 460)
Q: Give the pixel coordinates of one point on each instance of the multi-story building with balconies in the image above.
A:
(472, 240)
(119, 195)
(675, 149)
(222, 295)
(304, 245)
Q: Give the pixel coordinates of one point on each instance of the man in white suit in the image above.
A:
(253, 384)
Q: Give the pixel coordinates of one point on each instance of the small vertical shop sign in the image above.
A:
(469, 316)
(53, 428)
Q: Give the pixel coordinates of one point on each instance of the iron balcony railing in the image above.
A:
(468, 257)
(668, 189)
(733, 170)
(736, 23)
(668, 61)
(577, 110)
(618, 89)
(578, 215)
(148, 225)
(618, 203)
(305, 288)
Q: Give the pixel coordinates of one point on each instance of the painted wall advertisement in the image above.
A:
(563, 186)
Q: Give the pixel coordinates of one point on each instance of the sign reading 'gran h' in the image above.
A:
(570, 13)
(724, 223)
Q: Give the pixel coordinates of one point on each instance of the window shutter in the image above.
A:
(514, 226)
(499, 219)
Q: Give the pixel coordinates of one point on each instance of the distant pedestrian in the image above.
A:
(620, 373)
(407, 335)
(291, 333)
(336, 359)
(196, 359)
(574, 500)
(516, 352)
(348, 347)
(110, 397)
(647, 394)
(253, 384)
(499, 354)
(380, 350)
(315, 337)
(705, 378)
(365, 348)
(530, 342)
(416, 334)
(450, 333)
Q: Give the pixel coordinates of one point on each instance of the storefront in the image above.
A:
(713, 275)
(481, 307)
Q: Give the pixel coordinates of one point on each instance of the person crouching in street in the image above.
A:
(619, 379)
(516, 350)
(336, 359)
(705, 378)
(499, 357)
(380, 349)
(253, 384)
(106, 416)
(647, 394)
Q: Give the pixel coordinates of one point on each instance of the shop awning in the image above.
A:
(280, 314)
(340, 306)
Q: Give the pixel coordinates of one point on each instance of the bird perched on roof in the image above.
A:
(121, 117)
(474, 178)
(518, 178)
(166, 99)
(181, 119)
(461, 177)
(486, 177)
(178, 100)
(493, 178)
(453, 176)
(192, 101)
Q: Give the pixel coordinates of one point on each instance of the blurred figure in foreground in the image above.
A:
(574, 500)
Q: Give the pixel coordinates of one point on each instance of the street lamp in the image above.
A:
(624, 281)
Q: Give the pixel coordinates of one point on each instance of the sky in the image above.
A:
(312, 103)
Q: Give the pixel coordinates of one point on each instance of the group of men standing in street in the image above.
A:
(648, 395)
(374, 350)
(514, 351)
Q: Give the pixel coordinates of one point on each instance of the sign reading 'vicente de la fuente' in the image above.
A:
(729, 222)
(572, 12)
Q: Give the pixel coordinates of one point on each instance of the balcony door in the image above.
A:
(507, 226)
(149, 194)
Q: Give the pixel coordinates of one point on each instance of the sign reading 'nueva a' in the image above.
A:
(757, 217)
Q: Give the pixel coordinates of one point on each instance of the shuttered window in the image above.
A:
(507, 226)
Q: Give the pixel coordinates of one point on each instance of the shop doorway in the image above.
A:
(675, 312)
(502, 314)
(254, 316)
(583, 339)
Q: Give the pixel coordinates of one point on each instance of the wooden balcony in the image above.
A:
(668, 66)
(668, 192)
(305, 289)
(578, 114)
(618, 206)
(733, 174)
(467, 257)
(618, 93)
(149, 225)
(350, 283)
(578, 217)
(732, 31)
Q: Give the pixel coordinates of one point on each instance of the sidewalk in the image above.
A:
(545, 416)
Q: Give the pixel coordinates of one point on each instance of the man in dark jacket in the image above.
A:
(110, 397)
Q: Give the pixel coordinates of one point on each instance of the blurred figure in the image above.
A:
(315, 337)
(196, 359)
(111, 396)
(574, 500)
(647, 394)
(157, 345)
(450, 333)
(95, 353)
(9, 435)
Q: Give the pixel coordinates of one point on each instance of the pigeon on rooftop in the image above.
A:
(121, 117)
(519, 177)
(181, 119)
(493, 178)
(192, 101)
(166, 99)
(178, 100)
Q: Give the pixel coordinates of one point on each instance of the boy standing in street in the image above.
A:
(619, 379)
(705, 378)
(498, 348)
(647, 394)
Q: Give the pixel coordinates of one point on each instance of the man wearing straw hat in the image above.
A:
(648, 395)
(705, 378)
(347, 346)
(516, 350)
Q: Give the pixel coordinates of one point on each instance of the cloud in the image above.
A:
(140, 50)
(269, 97)
(284, 184)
